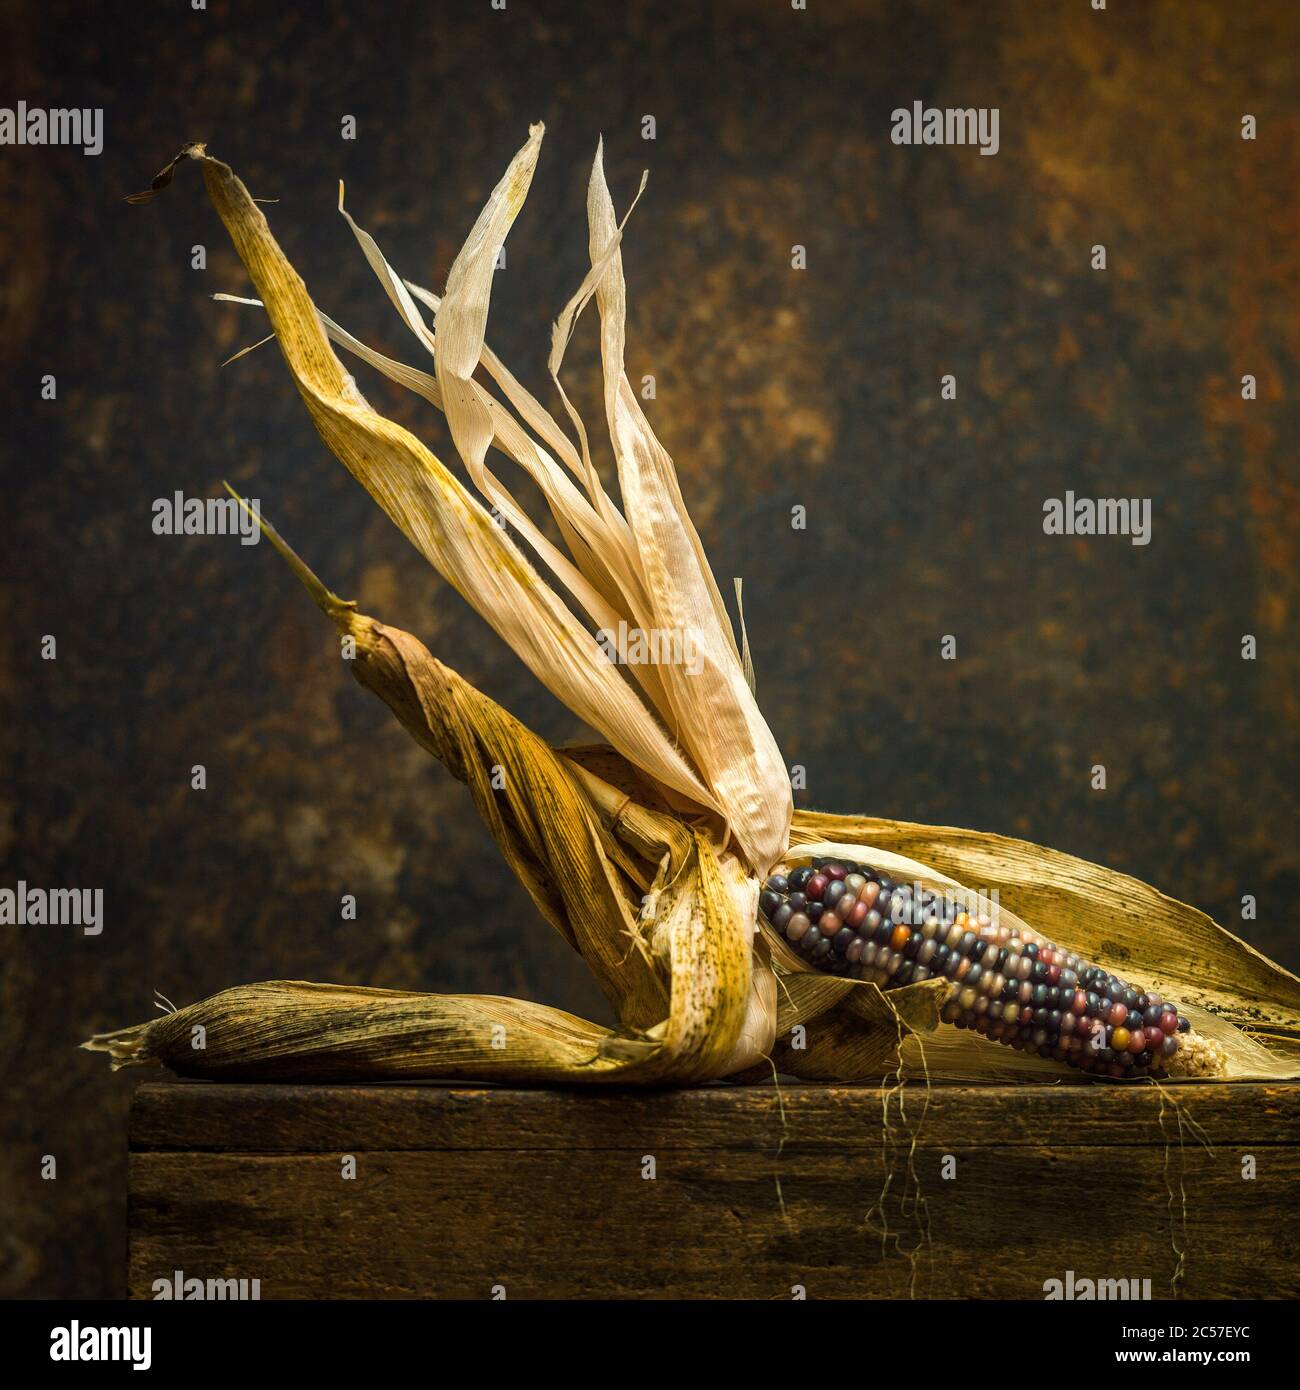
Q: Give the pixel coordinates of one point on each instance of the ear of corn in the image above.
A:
(1008, 983)
(1244, 1005)
(647, 854)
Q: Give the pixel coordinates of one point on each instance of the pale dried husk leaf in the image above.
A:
(729, 738)
(452, 529)
(699, 734)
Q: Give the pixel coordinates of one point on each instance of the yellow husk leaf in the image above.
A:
(691, 1003)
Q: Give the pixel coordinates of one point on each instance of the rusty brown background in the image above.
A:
(775, 388)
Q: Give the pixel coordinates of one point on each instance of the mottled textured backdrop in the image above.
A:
(776, 387)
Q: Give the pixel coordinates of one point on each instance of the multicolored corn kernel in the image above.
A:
(1011, 984)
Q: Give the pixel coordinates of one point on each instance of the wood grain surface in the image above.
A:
(543, 1194)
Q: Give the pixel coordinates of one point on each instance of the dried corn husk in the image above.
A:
(645, 853)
